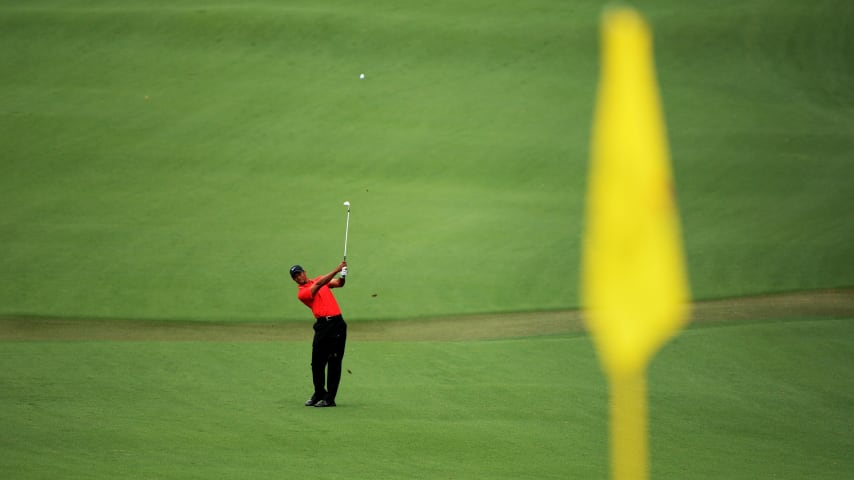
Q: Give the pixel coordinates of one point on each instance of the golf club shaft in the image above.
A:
(346, 232)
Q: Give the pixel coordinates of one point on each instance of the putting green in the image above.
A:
(170, 161)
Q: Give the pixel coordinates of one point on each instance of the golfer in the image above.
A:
(330, 331)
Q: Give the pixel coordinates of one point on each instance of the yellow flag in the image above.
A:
(634, 287)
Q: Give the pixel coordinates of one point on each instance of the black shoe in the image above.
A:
(325, 403)
(311, 402)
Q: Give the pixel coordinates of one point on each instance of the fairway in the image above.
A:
(741, 400)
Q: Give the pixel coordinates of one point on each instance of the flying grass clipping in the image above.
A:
(634, 286)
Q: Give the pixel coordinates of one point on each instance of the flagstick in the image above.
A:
(629, 449)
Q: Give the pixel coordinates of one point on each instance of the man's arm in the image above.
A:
(339, 282)
(328, 278)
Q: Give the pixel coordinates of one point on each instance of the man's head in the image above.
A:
(298, 274)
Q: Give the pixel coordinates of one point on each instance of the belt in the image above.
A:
(328, 319)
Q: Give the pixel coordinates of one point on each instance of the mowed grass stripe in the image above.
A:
(781, 307)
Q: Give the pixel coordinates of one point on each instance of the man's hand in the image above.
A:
(342, 268)
(330, 279)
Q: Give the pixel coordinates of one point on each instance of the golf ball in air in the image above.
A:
(361, 76)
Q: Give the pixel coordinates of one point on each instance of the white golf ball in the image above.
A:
(361, 76)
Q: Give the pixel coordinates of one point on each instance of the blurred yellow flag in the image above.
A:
(634, 286)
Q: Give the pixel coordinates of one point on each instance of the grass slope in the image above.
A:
(172, 159)
(770, 400)
(755, 401)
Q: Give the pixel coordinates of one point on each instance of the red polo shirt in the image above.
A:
(323, 303)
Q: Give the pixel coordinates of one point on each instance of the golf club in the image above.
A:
(346, 229)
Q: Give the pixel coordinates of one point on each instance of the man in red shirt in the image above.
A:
(330, 331)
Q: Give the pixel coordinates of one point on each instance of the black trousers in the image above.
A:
(327, 352)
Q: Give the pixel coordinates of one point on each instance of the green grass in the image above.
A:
(755, 401)
(194, 203)
(201, 410)
(760, 141)
(172, 159)
(767, 400)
